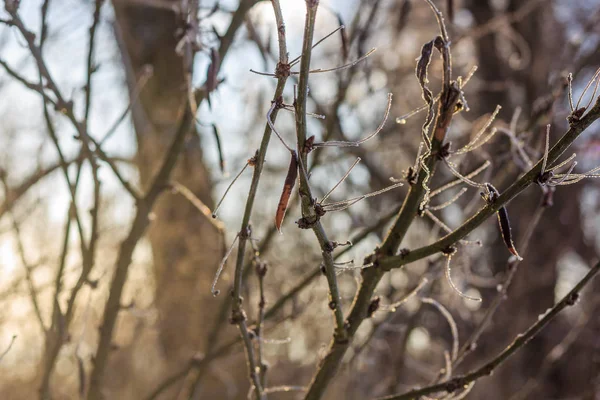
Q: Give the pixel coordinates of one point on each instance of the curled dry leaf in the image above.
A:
(421, 70)
(503, 221)
(288, 186)
(506, 232)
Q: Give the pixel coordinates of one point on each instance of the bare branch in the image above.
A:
(521, 340)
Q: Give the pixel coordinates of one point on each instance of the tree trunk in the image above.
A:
(186, 248)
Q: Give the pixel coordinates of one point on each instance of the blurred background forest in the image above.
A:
(107, 257)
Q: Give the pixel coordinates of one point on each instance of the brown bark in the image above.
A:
(186, 248)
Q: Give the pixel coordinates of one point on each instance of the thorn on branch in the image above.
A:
(213, 288)
(365, 139)
(251, 161)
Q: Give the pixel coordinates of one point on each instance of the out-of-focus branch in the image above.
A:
(26, 265)
(270, 312)
(521, 340)
(512, 268)
(90, 145)
(66, 107)
(61, 322)
(504, 19)
(13, 195)
(138, 227)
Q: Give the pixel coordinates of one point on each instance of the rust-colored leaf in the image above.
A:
(288, 186)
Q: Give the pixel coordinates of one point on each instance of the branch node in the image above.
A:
(237, 316)
(246, 233)
(449, 251)
(253, 160)
(410, 176)
(307, 222)
(443, 152)
(373, 306)
(439, 43)
(341, 337)
(308, 144)
(328, 247)
(319, 210)
(572, 299)
(455, 384)
(282, 70)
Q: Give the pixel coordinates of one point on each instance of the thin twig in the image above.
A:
(453, 328)
(363, 140)
(216, 210)
(521, 340)
(238, 316)
(5, 352)
(138, 227)
(318, 42)
(272, 126)
(490, 209)
(140, 84)
(341, 180)
(213, 287)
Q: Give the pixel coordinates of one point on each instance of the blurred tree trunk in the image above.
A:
(186, 248)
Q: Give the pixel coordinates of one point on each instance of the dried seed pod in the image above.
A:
(504, 223)
(288, 186)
